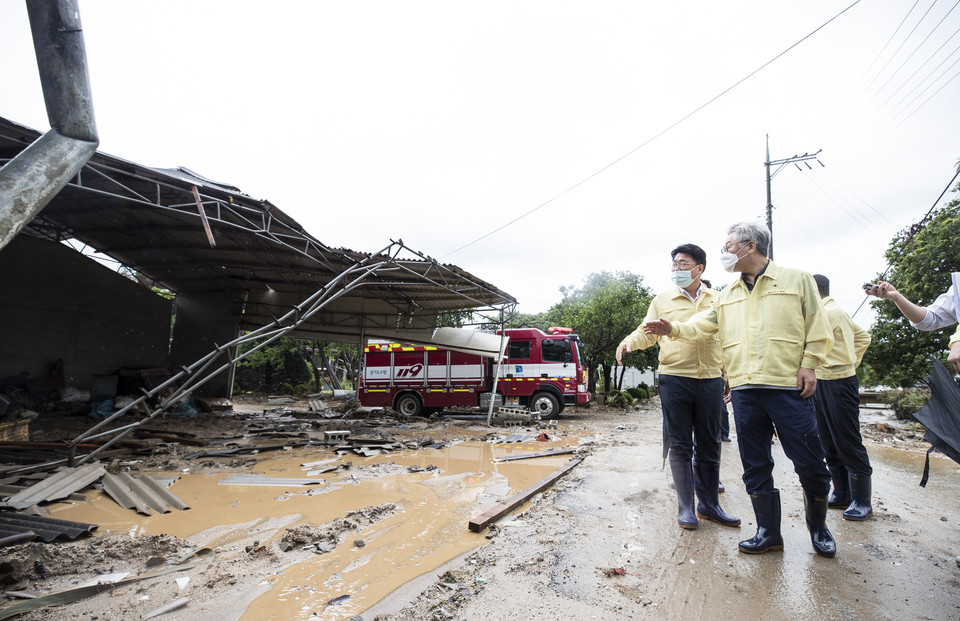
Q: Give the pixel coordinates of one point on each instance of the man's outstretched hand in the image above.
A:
(660, 327)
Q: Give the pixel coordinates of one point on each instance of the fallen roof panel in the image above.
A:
(59, 485)
(141, 493)
(46, 529)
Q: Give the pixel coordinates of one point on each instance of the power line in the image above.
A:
(917, 70)
(907, 241)
(917, 49)
(880, 53)
(900, 47)
(649, 140)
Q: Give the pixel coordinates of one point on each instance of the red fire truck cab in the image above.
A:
(541, 371)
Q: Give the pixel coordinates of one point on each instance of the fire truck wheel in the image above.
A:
(408, 404)
(545, 404)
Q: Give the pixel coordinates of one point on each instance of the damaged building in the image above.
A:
(233, 265)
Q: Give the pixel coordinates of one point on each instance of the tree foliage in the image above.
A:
(292, 366)
(280, 366)
(528, 320)
(607, 308)
(900, 355)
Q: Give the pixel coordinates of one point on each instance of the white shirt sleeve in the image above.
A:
(943, 312)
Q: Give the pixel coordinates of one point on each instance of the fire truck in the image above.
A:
(541, 371)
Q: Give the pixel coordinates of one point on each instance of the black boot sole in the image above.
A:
(704, 516)
(758, 551)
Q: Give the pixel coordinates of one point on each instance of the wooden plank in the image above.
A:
(565, 451)
(479, 523)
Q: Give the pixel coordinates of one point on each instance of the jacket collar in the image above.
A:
(770, 270)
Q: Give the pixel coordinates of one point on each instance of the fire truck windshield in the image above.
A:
(576, 343)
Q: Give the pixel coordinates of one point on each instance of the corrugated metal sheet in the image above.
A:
(46, 529)
(59, 485)
(141, 493)
(257, 479)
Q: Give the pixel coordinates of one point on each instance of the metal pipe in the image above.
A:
(496, 373)
(31, 179)
(9, 540)
(62, 61)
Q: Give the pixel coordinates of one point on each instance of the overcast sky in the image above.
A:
(442, 122)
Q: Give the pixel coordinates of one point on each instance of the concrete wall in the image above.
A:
(56, 303)
(204, 321)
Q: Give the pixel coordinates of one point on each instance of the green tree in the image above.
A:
(606, 309)
(528, 320)
(281, 366)
(920, 269)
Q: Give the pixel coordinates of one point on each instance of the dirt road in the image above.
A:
(617, 511)
(602, 543)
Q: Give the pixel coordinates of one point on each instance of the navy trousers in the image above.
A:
(838, 418)
(724, 420)
(691, 417)
(755, 412)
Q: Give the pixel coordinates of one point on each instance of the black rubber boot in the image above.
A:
(816, 512)
(707, 479)
(861, 490)
(840, 496)
(766, 508)
(683, 481)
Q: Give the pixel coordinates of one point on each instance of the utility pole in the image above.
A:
(780, 164)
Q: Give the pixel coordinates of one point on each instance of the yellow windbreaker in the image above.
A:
(766, 335)
(699, 358)
(850, 342)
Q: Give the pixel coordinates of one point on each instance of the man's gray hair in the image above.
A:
(744, 232)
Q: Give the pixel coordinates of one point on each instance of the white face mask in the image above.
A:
(729, 260)
(681, 278)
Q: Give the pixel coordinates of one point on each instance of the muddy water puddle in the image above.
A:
(436, 492)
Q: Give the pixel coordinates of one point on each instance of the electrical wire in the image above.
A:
(904, 42)
(907, 241)
(917, 49)
(882, 50)
(657, 135)
(863, 122)
(917, 70)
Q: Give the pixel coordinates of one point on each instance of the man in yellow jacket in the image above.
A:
(773, 335)
(691, 390)
(837, 402)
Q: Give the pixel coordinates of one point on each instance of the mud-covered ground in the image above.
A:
(600, 543)
(603, 543)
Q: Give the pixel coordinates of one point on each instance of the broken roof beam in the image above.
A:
(566, 451)
(478, 524)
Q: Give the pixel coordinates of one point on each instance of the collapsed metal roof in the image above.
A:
(186, 233)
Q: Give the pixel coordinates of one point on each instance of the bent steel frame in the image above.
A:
(387, 261)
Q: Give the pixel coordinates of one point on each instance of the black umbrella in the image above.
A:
(941, 417)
